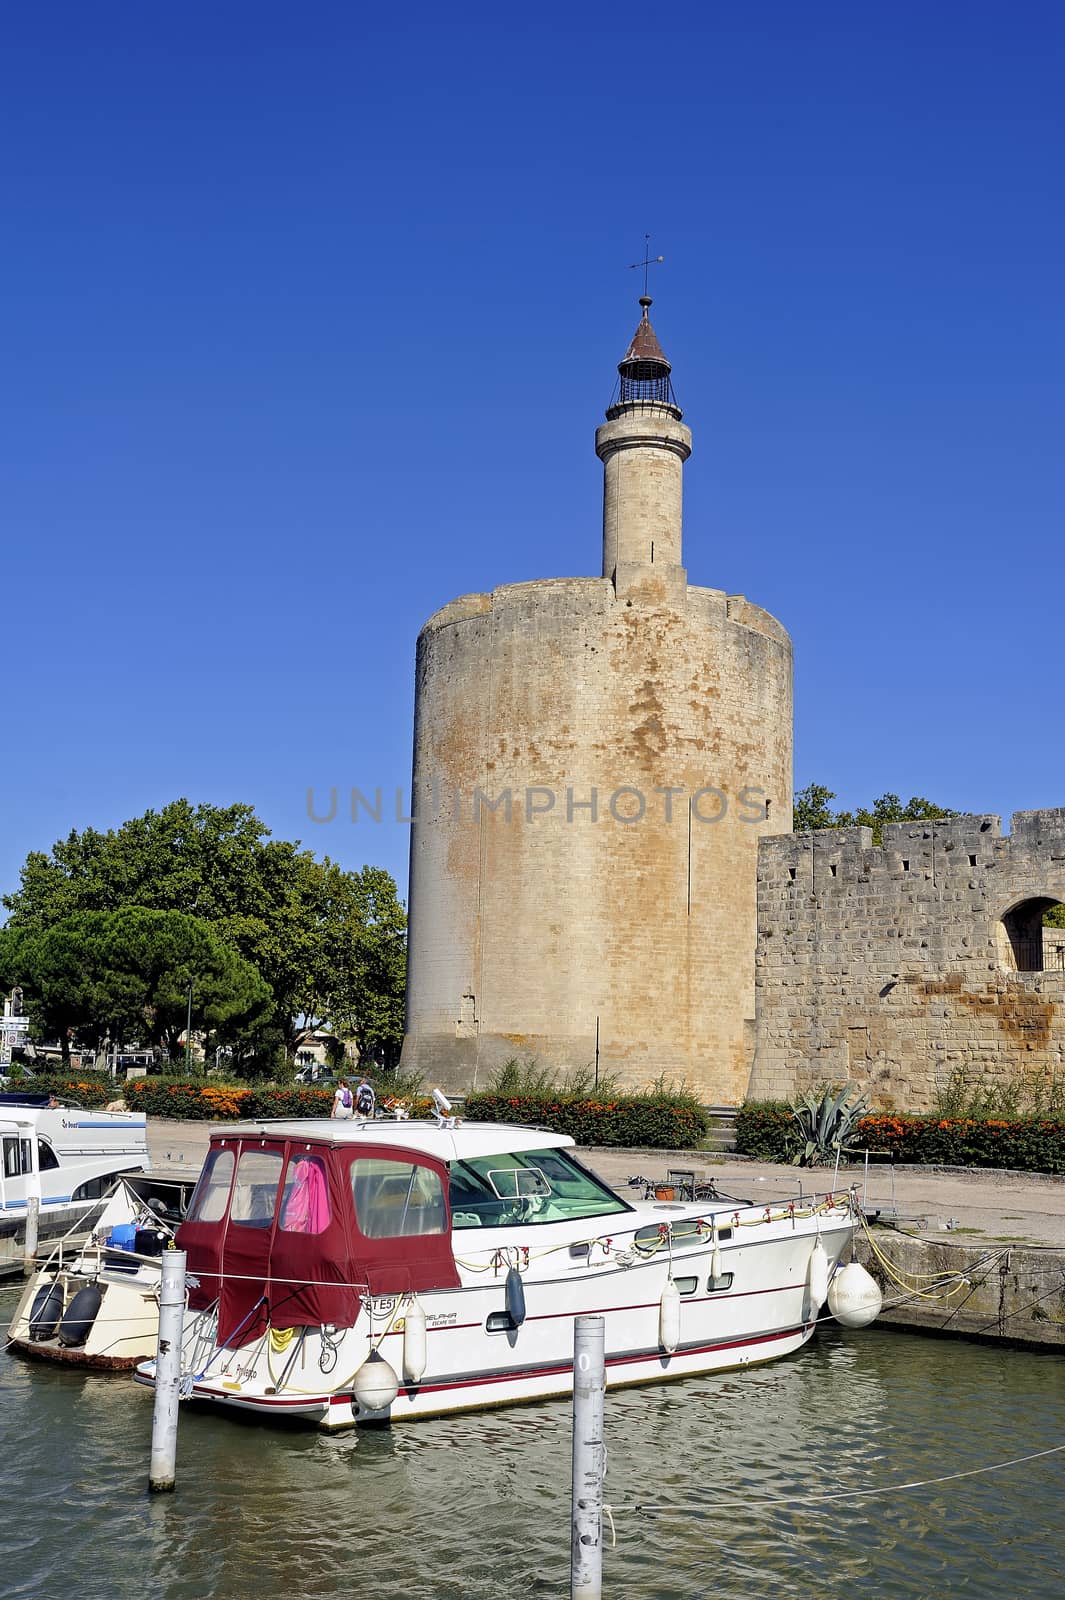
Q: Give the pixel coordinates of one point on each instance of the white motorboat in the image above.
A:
(64, 1155)
(94, 1302)
(351, 1272)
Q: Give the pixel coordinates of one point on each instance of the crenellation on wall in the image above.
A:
(912, 960)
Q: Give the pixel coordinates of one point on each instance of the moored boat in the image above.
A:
(66, 1156)
(351, 1272)
(94, 1301)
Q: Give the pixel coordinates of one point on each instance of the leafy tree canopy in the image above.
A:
(329, 943)
(812, 810)
(131, 974)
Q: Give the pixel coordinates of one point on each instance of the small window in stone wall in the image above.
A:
(972, 861)
(905, 866)
(791, 874)
(832, 869)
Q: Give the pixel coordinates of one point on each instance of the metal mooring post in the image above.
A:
(161, 1473)
(589, 1458)
(29, 1249)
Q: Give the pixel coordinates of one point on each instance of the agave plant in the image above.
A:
(826, 1120)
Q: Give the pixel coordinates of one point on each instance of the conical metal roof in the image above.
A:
(644, 345)
(644, 379)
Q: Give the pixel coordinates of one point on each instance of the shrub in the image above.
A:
(90, 1089)
(1030, 1144)
(765, 1129)
(199, 1100)
(527, 1079)
(1024, 1096)
(650, 1120)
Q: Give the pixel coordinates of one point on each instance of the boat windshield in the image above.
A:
(531, 1186)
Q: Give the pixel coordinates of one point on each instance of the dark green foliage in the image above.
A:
(126, 974)
(91, 1089)
(651, 1120)
(766, 1130)
(812, 811)
(330, 944)
(1026, 1145)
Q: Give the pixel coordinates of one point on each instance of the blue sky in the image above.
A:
(309, 318)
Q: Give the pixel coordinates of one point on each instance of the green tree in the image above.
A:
(130, 974)
(329, 943)
(812, 811)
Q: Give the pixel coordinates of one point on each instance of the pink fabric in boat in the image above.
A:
(307, 1207)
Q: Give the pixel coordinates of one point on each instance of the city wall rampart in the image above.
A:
(902, 966)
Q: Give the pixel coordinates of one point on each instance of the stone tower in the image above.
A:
(595, 760)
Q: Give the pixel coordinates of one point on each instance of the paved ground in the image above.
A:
(1012, 1208)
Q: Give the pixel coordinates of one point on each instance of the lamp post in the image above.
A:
(188, 1036)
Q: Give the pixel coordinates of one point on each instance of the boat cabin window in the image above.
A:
(395, 1199)
(212, 1191)
(46, 1156)
(305, 1197)
(531, 1186)
(255, 1188)
(94, 1188)
(18, 1156)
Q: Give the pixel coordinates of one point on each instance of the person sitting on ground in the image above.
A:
(365, 1099)
(343, 1103)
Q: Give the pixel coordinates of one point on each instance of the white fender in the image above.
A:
(669, 1318)
(854, 1297)
(376, 1384)
(817, 1277)
(716, 1269)
(414, 1353)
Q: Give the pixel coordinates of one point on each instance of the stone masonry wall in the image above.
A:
(896, 967)
(604, 896)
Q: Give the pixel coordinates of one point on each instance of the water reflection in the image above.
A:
(478, 1506)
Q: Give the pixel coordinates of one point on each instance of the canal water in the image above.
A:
(478, 1507)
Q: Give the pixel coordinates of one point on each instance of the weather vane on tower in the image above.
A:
(647, 263)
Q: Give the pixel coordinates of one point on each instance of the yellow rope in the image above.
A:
(910, 1284)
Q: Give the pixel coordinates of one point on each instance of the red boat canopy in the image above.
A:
(293, 1232)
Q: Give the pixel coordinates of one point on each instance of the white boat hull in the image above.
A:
(308, 1376)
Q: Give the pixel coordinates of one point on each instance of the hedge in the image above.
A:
(631, 1120)
(627, 1120)
(193, 1100)
(766, 1129)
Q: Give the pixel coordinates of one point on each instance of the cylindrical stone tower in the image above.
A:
(595, 760)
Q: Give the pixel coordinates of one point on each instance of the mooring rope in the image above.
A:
(851, 1494)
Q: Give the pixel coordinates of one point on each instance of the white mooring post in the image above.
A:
(161, 1473)
(33, 1222)
(589, 1458)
